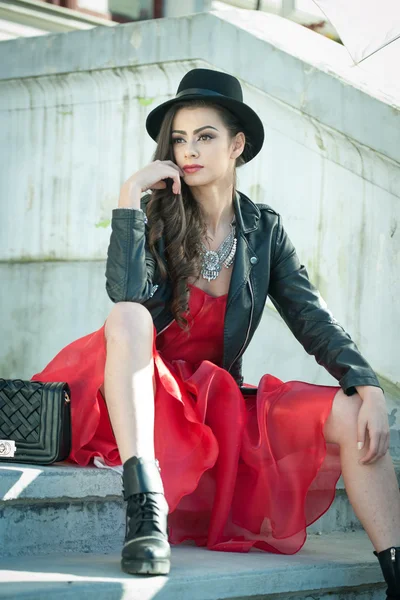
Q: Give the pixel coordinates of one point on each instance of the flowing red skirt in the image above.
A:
(239, 471)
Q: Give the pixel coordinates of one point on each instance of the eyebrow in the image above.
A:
(196, 130)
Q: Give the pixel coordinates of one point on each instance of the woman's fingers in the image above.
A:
(152, 176)
(166, 170)
(170, 162)
(174, 175)
(162, 184)
(372, 449)
(176, 187)
(383, 446)
(378, 447)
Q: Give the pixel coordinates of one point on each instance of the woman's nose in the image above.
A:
(191, 150)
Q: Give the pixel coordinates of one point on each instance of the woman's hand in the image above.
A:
(373, 418)
(152, 176)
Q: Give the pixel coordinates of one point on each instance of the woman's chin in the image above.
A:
(194, 180)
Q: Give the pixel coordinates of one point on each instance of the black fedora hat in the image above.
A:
(222, 89)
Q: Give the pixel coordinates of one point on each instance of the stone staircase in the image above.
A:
(61, 532)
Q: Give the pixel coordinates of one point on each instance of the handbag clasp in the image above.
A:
(7, 448)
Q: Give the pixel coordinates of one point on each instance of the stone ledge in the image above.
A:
(57, 482)
(335, 562)
(317, 75)
(66, 509)
(63, 481)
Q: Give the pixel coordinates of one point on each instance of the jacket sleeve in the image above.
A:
(130, 265)
(305, 312)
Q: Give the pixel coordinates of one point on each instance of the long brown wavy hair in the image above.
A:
(178, 218)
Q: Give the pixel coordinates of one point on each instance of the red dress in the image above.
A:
(238, 472)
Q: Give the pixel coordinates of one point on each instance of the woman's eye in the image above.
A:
(205, 135)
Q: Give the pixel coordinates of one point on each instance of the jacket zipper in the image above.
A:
(393, 554)
(249, 327)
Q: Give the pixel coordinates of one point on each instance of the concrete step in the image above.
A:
(341, 516)
(63, 508)
(60, 508)
(338, 566)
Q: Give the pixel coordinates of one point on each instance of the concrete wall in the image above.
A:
(72, 113)
(171, 8)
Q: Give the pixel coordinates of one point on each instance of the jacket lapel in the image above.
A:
(247, 215)
(240, 302)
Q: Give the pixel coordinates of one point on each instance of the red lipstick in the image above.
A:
(192, 168)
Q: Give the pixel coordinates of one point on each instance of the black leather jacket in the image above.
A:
(266, 263)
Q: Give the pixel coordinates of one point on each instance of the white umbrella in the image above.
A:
(364, 26)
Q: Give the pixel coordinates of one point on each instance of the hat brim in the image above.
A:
(252, 125)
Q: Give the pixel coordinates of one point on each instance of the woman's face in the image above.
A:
(199, 137)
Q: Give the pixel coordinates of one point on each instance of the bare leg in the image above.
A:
(128, 379)
(129, 395)
(372, 489)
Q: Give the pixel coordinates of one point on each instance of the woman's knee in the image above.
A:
(128, 320)
(341, 424)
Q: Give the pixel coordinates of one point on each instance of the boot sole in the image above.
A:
(146, 567)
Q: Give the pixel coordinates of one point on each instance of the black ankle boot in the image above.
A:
(389, 560)
(146, 550)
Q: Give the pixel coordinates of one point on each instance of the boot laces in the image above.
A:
(144, 514)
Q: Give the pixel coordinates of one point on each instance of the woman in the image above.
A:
(189, 267)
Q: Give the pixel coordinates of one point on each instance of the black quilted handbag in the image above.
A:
(35, 421)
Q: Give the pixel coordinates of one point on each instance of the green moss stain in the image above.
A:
(29, 259)
(145, 101)
(104, 223)
(319, 141)
(43, 259)
(391, 388)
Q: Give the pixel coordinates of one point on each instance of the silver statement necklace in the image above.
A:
(212, 260)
